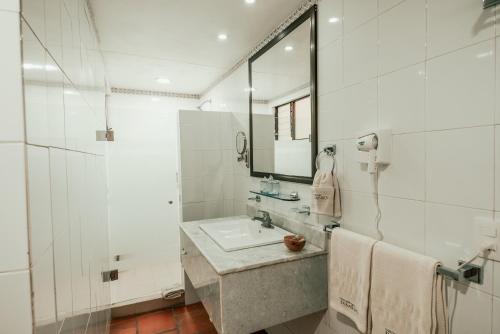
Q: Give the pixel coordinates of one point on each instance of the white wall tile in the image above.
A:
(44, 308)
(497, 112)
(360, 113)
(39, 201)
(15, 306)
(497, 168)
(331, 109)
(402, 35)
(11, 110)
(12, 5)
(358, 213)
(357, 12)
(496, 284)
(387, 4)
(361, 52)
(402, 100)
(470, 309)
(453, 24)
(330, 18)
(459, 167)
(355, 176)
(405, 175)
(330, 78)
(461, 88)
(448, 231)
(403, 223)
(496, 315)
(14, 226)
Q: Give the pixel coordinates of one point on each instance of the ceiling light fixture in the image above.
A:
(155, 99)
(250, 1)
(163, 81)
(333, 19)
(222, 37)
(288, 48)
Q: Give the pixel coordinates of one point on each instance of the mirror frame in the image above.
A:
(311, 14)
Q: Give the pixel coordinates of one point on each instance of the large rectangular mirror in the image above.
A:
(283, 129)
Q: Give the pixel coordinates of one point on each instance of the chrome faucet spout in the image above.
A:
(265, 219)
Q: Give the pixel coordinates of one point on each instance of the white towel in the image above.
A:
(407, 296)
(326, 195)
(349, 277)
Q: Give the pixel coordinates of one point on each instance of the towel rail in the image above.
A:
(468, 273)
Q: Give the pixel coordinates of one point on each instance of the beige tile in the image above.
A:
(15, 306)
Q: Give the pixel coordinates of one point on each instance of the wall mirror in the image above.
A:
(282, 85)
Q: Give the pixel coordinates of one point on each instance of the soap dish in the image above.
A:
(295, 243)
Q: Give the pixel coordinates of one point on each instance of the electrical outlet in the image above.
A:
(487, 232)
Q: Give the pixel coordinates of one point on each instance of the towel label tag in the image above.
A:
(348, 304)
(320, 197)
(388, 331)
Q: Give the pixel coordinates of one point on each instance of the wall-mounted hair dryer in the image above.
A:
(375, 149)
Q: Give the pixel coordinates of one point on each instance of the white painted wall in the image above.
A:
(143, 166)
(430, 76)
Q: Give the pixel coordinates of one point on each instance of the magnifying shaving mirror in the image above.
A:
(241, 147)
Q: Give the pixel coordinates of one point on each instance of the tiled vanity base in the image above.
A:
(260, 297)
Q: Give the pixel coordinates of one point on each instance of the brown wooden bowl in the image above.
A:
(295, 243)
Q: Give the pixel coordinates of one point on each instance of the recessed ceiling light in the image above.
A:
(155, 99)
(250, 1)
(163, 81)
(288, 48)
(222, 37)
(333, 19)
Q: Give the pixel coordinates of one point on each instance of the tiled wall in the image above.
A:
(53, 179)
(428, 70)
(209, 166)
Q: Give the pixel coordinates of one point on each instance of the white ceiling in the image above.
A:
(177, 39)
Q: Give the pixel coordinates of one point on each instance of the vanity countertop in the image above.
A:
(240, 260)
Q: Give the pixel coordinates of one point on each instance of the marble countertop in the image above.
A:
(236, 261)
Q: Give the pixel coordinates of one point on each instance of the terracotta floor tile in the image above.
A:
(124, 326)
(157, 322)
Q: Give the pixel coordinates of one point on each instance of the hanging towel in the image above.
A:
(326, 195)
(407, 295)
(349, 276)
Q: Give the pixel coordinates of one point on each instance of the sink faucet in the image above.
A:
(265, 219)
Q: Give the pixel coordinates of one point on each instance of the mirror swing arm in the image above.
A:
(310, 14)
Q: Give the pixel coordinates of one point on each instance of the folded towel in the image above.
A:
(407, 296)
(326, 194)
(349, 278)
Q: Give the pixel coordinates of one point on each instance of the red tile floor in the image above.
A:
(192, 319)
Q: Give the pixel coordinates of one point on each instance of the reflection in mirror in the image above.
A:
(282, 106)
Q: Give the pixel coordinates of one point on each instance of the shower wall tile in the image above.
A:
(402, 100)
(496, 270)
(361, 52)
(40, 219)
(460, 167)
(357, 12)
(13, 229)
(360, 114)
(387, 4)
(461, 88)
(15, 314)
(11, 111)
(10, 5)
(497, 168)
(454, 24)
(496, 315)
(404, 45)
(44, 308)
(497, 93)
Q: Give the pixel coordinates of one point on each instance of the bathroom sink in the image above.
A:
(242, 233)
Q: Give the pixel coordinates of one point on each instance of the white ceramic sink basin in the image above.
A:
(242, 233)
